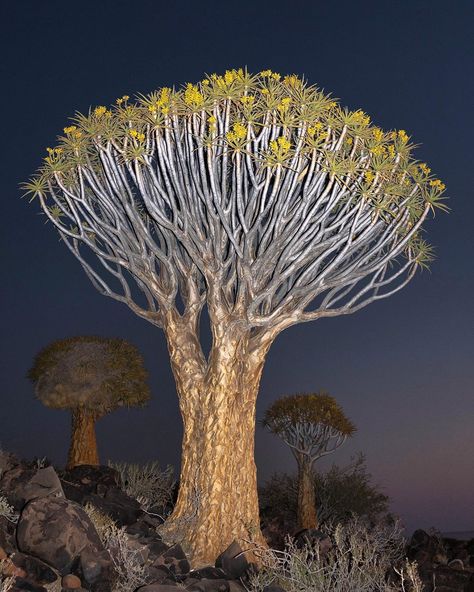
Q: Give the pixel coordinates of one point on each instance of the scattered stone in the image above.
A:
(156, 588)
(71, 582)
(22, 585)
(208, 585)
(232, 561)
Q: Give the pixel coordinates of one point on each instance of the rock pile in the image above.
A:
(55, 541)
(444, 565)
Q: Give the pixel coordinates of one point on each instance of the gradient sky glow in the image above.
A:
(402, 368)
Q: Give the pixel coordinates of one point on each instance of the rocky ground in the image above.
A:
(55, 544)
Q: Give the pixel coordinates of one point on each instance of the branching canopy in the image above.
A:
(311, 424)
(94, 373)
(258, 194)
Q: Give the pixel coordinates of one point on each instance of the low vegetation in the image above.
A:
(148, 484)
(362, 559)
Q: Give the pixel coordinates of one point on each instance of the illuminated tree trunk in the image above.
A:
(83, 449)
(217, 500)
(307, 517)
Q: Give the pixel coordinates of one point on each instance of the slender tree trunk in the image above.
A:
(217, 500)
(307, 516)
(83, 449)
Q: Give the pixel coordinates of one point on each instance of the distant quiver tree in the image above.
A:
(90, 376)
(313, 426)
(258, 197)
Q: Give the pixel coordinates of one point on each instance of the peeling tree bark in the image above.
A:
(83, 449)
(217, 500)
(307, 516)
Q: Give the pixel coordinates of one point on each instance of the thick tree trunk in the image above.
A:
(217, 500)
(83, 449)
(307, 516)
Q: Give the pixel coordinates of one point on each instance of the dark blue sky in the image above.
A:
(402, 368)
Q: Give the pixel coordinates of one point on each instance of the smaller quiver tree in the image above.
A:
(313, 425)
(90, 376)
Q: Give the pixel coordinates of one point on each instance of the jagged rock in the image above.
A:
(100, 486)
(7, 535)
(175, 560)
(91, 479)
(36, 570)
(60, 533)
(123, 509)
(210, 572)
(232, 561)
(23, 483)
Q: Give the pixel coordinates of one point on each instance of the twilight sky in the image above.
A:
(401, 368)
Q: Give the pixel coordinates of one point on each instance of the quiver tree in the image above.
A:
(258, 197)
(90, 376)
(313, 426)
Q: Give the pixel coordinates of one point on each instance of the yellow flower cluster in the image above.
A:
(280, 147)
(438, 185)
(291, 80)
(317, 127)
(238, 132)
(192, 96)
(360, 118)
(402, 136)
(247, 100)
(369, 176)
(391, 150)
(122, 99)
(101, 110)
(424, 168)
(270, 74)
(224, 82)
(163, 102)
(284, 105)
(54, 151)
(378, 150)
(136, 135)
(378, 134)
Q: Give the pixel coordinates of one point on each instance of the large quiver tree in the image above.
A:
(313, 426)
(258, 197)
(90, 377)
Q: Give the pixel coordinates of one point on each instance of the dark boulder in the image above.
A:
(233, 561)
(38, 571)
(60, 533)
